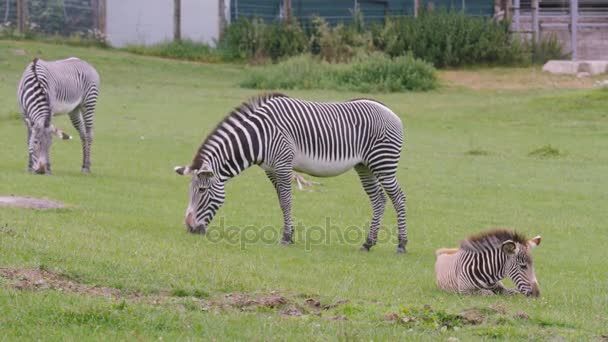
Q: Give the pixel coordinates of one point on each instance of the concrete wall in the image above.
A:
(151, 21)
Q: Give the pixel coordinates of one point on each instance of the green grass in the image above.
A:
(185, 49)
(123, 225)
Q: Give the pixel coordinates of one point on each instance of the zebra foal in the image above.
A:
(483, 260)
(47, 88)
(282, 134)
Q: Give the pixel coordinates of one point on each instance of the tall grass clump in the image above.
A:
(371, 73)
(254, 39)
(340, 43)
(449, 39)
(185, 49)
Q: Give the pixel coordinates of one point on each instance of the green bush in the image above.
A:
(381, 73)
(243, 38)
(373, 73)
(283, 39)
(448, 39)
(185, 49)
(253, 39)
(340, 43)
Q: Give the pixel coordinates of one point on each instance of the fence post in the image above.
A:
(416, 8)
(574, 27)
(221, 18)
(99, 15)
(535, 28)
(177, 20)
(22, 16)
(287, 10)
(516, 15)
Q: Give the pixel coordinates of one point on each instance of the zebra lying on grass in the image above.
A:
(483, 260)
(48, 88)
(282, 134)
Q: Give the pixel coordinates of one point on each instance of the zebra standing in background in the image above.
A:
(282, 134)
(53, 87)
(482, 261)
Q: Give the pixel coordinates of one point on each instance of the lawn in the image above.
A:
(532, 155)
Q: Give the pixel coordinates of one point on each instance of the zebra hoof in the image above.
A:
(85, 170)
(364, 248)
(286, 242)
(400, 250)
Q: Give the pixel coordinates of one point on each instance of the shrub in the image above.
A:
(253, 39)
(243, 38)
(340, 43)
(448, 39)
(372, 73)
(381, 73)
(184, 49)
(282, 39)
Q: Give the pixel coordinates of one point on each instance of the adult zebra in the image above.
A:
(53, 87)
(282, 134)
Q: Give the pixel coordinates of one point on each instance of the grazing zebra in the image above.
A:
(282, 134)
(483, 260)
(53, 87)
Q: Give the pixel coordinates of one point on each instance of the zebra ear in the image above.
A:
(509, 247)
(183, 170)
(534, 242)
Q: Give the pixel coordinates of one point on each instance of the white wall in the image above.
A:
(151, 21)
(139, 21)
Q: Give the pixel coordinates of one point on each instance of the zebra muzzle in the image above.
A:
(192, 227)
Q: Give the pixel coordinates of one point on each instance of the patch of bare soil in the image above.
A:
(244, 300)
(472, 316)
(37, 279)
(28, 202)
(40, 280)
(514, 79)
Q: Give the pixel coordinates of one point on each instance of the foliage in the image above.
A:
(369, 73)
(340, 43)
(185, 49)
(254, 39)
(546, 49)
(449, 39)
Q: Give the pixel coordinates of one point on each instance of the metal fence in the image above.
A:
(341, 11)
(54, 17)
(581, 26)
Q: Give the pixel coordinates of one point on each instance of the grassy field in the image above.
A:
(532, 156)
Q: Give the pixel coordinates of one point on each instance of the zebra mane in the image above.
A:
(47, 120)
(247, 108)
(492, 239)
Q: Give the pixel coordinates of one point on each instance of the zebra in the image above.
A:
(483, 260)
(282, 134)
(48, 88)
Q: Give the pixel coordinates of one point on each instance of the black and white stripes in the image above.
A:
(282, 134)
(48, 88)
(482, 261)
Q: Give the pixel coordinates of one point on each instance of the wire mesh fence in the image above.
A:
(50, 17)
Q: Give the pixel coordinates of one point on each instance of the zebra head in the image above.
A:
(519, 265)
(206, 197)
(39, 145)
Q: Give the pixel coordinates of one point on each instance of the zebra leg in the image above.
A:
(87, 116)
(392, 188)
(282, 184)
(78, 123)
(29, 154)
(378, 200)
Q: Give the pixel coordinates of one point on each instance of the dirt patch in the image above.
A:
(472, 316)
(28, 202)
(244, 300)
(291, 311)
(513, 79)
(38, 279)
